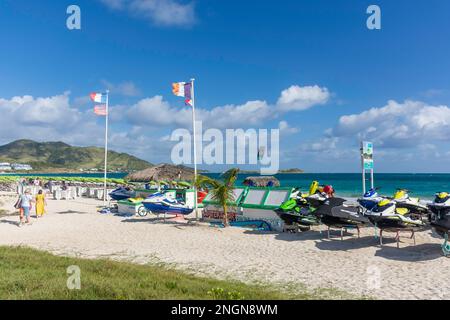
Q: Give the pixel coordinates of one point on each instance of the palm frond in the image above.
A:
(230, 176)
(206, 182)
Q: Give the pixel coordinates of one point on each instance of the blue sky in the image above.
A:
(244, 54)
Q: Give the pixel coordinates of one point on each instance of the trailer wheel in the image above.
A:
(142, 212)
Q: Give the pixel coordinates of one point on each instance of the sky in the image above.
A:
(309, 68)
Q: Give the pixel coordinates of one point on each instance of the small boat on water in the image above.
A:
(158, 203)
(122, 193)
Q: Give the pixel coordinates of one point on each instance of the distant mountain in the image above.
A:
(59, 156)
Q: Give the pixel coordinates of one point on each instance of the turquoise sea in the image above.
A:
(350, 184)
(423, 185)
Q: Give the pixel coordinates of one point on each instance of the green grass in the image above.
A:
(30, 274)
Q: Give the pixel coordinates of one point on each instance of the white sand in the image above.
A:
(74, 228)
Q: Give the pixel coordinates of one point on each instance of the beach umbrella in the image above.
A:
(184, 184)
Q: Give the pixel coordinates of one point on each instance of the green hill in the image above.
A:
(59, 156)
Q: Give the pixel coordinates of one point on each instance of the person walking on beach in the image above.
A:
(40, 204)
(25, 207)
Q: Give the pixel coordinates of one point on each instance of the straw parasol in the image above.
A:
(268, 181)
(162, 172)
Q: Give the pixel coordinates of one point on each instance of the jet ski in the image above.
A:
(440, 213)
(317, 196)
(370, 199)
(403, 200)
(122, 193)
(158, 203)
(297, 211)
(340, 213)
(386, 215)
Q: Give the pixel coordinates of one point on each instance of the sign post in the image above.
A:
(367, 163)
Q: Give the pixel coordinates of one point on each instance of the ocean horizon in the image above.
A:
(423, 185)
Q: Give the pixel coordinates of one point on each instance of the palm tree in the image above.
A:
(221, 190)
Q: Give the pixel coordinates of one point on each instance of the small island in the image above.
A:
(281, 171)
(291, 170)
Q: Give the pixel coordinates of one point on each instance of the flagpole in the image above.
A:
(106, 148)
(195, 149)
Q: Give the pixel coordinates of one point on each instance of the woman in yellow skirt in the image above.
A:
(40, 204)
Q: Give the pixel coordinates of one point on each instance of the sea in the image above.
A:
(422, 185)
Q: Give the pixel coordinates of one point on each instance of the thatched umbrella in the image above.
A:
(268, 181)
(162, 172)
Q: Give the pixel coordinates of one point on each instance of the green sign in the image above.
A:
(367, 155)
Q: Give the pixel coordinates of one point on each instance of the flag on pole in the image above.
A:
(99, 97)
(183, 89)
(100, 110)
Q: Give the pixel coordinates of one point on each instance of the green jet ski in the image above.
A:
(297, 211)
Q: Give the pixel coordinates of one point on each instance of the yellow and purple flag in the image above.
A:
(183, 89)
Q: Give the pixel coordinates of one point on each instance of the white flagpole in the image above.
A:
(195, 148)
(106, 148)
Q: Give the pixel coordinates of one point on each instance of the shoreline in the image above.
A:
(423, 186)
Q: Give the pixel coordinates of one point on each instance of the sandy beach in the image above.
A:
(356, 266)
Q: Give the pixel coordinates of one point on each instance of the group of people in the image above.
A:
(25, 204)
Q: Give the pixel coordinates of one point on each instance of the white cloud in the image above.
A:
(31, 111)
(325, 144)
(251, 113)
(55, 119)
(160, 12)
(46, 118)
(398, 124)
(297, 98)
(285, 128)
(157, 111)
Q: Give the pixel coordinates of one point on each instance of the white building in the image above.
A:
(21, 167)
(5, 166)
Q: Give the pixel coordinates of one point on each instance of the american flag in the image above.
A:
(100, 110)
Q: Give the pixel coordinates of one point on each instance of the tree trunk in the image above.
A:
(225, 216)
